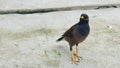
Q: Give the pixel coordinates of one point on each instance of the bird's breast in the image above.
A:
(82, 30)
(80, 33)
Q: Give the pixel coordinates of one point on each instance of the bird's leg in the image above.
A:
(73, 58)
(77, 55)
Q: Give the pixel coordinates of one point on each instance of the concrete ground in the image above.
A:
(33, 4)
(29, 40)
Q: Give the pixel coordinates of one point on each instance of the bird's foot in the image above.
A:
(73, 59)
(78, 57)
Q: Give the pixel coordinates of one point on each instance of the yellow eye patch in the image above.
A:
(82, 17)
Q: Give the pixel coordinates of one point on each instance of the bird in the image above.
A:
(75, 35)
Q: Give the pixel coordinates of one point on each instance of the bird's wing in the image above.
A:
(69, 32)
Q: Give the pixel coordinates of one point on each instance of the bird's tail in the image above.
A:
(61, 38)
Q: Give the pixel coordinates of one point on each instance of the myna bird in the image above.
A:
(76, 34)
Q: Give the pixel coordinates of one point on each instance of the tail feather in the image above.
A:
(61, 38)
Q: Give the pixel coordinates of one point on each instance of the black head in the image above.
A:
(84, 17)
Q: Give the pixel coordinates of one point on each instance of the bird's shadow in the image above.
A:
(63, 49)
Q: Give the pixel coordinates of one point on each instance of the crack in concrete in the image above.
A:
(46, 10)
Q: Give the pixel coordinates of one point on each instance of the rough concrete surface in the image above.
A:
(29, 40)
(20, 4)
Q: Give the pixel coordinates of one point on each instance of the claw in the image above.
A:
(78, 57)
(73, 59)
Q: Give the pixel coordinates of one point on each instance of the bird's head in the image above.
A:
(84, 17)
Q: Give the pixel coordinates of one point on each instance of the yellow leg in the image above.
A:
(77, 55)
(73, 58)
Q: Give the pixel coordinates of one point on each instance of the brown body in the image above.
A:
(73, 37)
